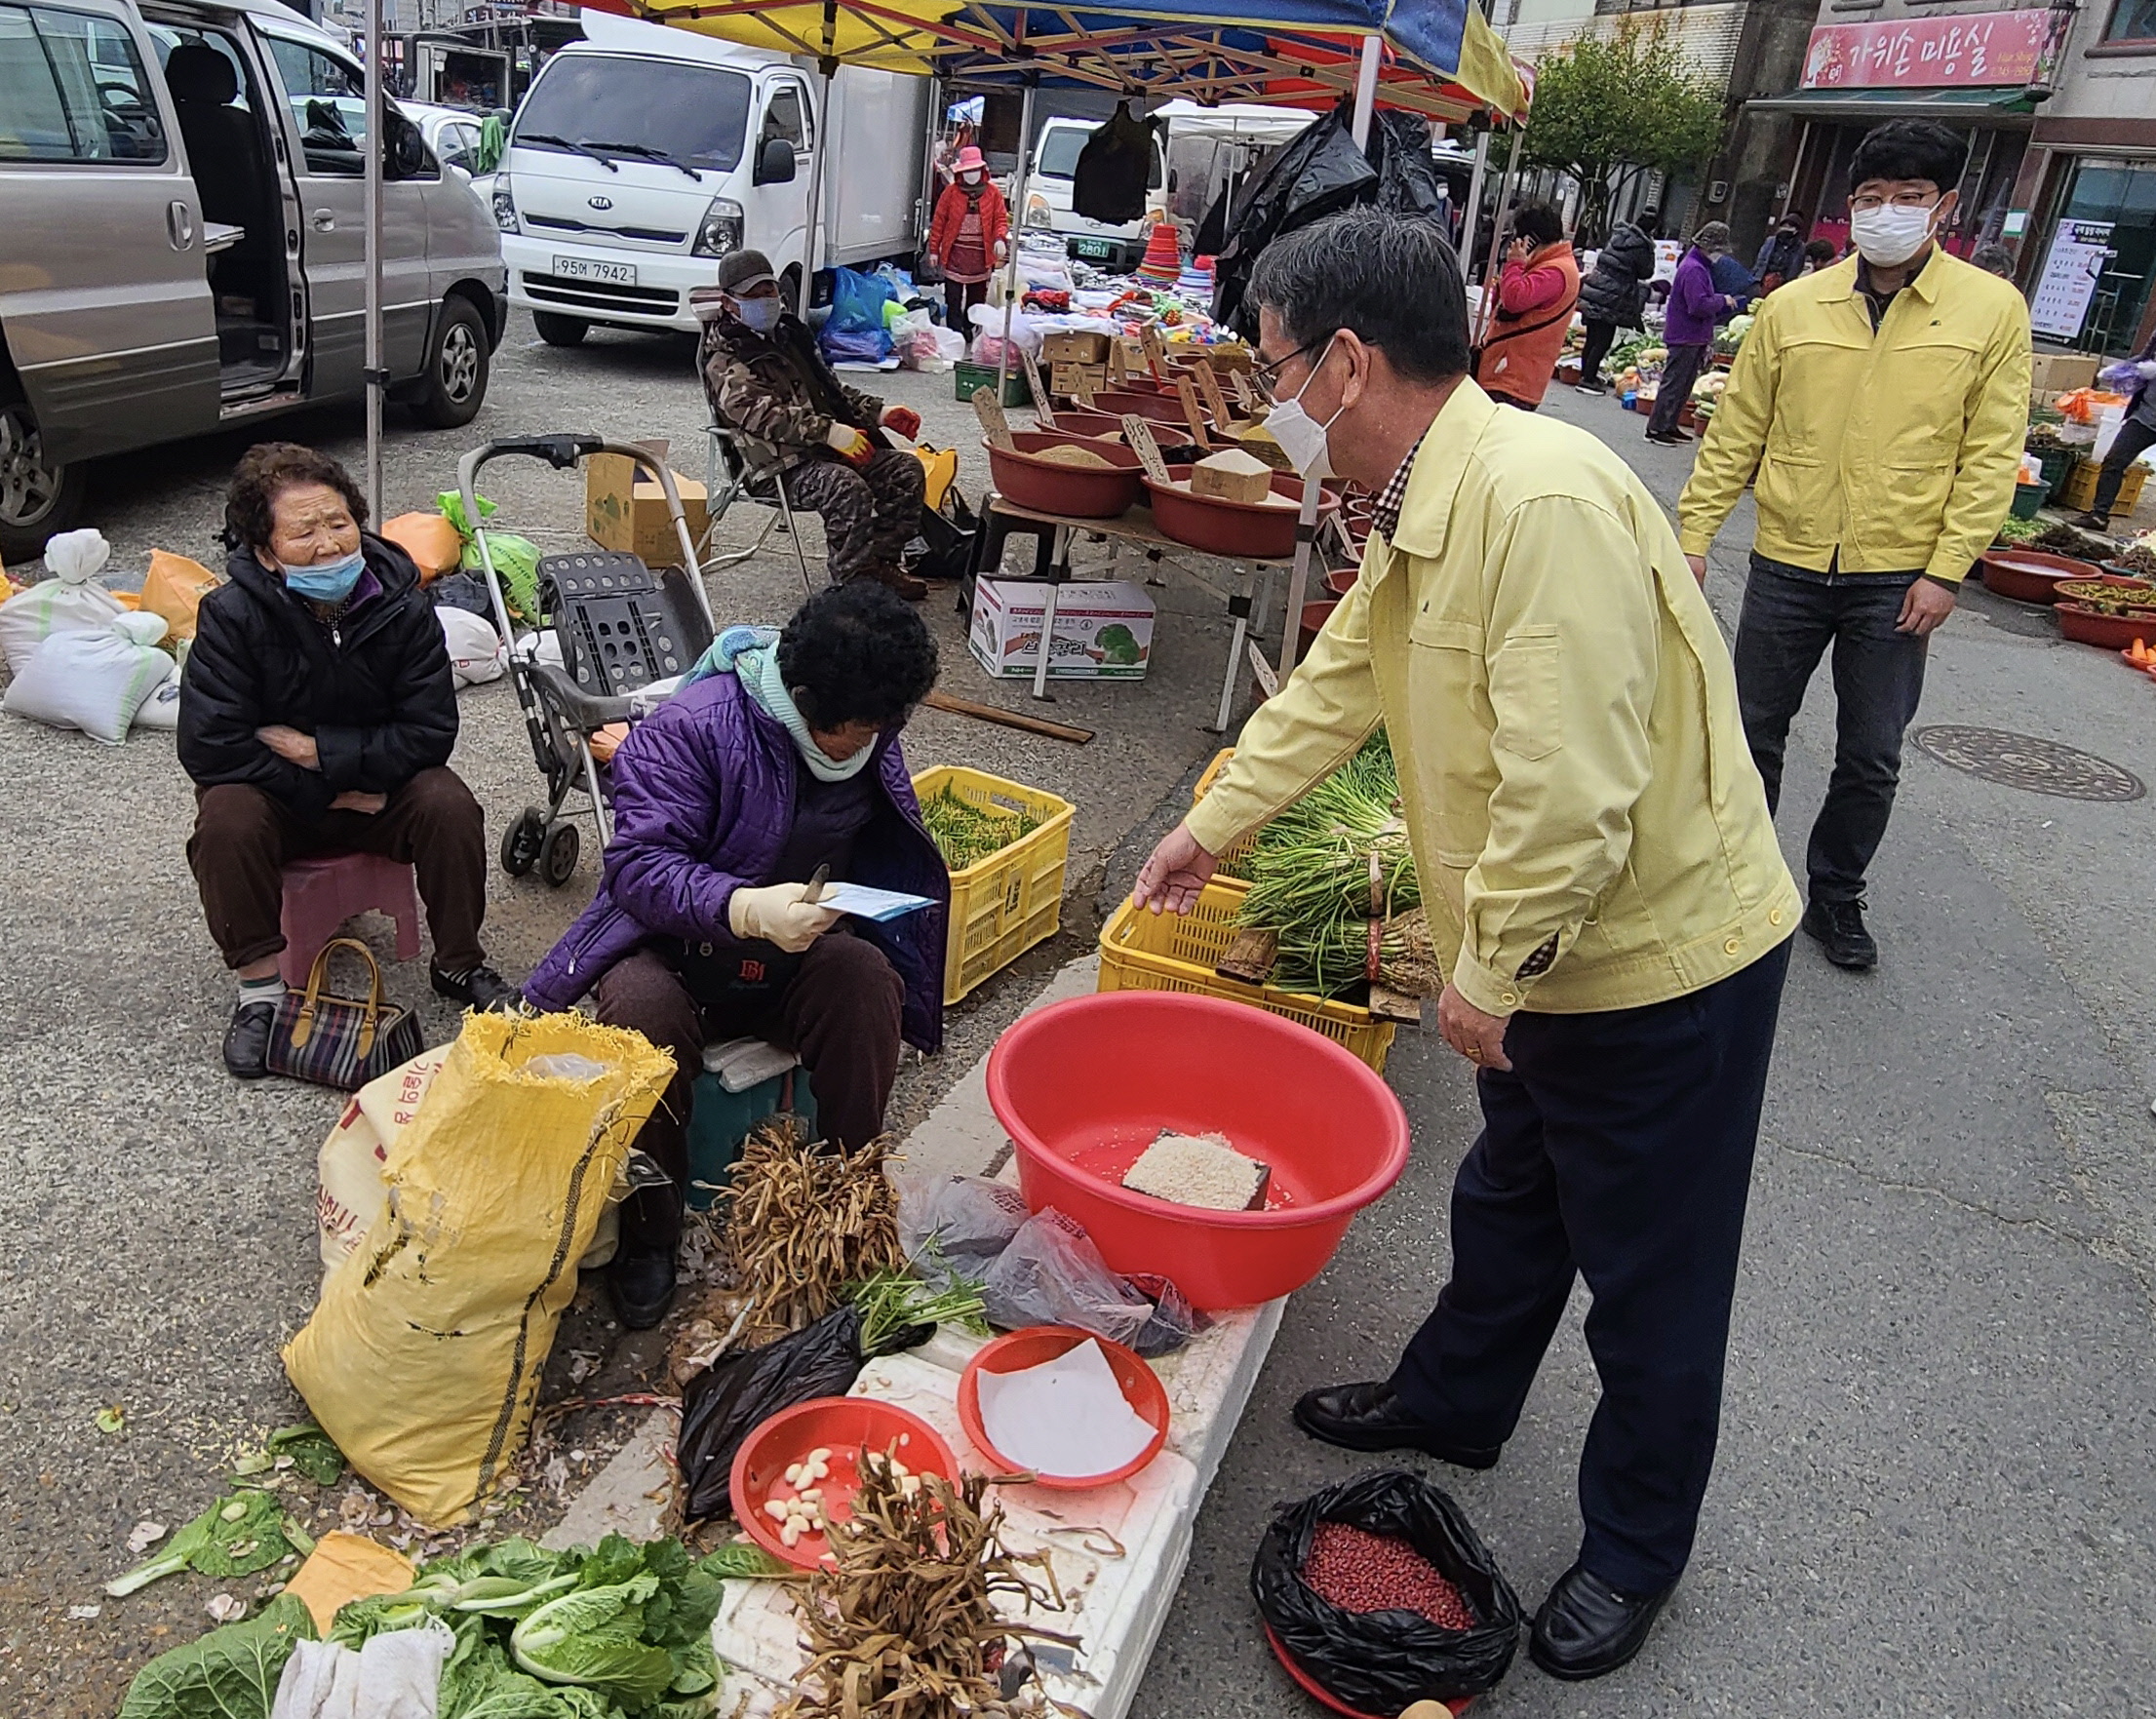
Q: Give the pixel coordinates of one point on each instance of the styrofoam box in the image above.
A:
(1005, 635)
(1118, 1552)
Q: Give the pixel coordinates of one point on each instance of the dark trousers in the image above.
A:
(869, 512)
(1620, 1148)
(2134, 438)
(1678, 372)
(244, 838)
(958, 297)
(1597, 347)
(838, 1011)
(1790, 616)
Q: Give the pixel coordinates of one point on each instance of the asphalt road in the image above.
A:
(1934, 1493)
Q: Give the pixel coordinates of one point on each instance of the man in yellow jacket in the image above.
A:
(1882, 406)
(1598, 868)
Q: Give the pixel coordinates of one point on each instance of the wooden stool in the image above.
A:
(321, 894)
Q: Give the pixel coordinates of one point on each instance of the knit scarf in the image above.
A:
(751, 654)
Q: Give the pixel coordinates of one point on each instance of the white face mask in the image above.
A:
(760, 314)
(1890, 234)
(1302, 438)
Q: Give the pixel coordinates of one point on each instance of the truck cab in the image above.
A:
(1117, 248)
(643, 155)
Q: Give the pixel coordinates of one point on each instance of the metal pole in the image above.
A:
(1011, 283)
(815, 197)
(375, 141)
(1305, 523)
(1472, 216)
(1486, 305)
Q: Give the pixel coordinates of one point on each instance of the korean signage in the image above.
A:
(2080, 251)
(1970, 48)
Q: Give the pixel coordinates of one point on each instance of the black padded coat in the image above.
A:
(1616, 289)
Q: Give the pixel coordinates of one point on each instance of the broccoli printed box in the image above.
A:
(1103, 631)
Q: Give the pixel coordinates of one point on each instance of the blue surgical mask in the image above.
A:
(326, 581)
(760, 314)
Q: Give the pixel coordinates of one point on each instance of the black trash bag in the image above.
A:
(738, 1392)
(1381, 1661)
(1109, 182)
(1408, 181)
(1321, 172)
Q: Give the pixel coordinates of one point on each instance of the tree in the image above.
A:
(1610, 109)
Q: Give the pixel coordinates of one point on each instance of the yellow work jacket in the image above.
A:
(1587, 825)
(1882, 453)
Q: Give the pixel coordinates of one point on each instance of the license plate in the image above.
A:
(1094, 247)
(584, 268)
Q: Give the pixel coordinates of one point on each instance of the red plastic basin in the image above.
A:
(1082, 1087)
(851, 1427)
(1035, 1346)
(1043, 485)
(1255, 529)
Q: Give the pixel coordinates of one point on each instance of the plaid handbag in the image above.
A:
(336, 1041)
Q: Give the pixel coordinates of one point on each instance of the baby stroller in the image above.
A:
(624, 632)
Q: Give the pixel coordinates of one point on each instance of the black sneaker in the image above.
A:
(1590, 387)
(2093, 522)
(483, 988)
(1839, 927)
(642, 1284)
(247, 1040)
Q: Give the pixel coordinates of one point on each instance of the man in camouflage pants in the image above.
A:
(768, 384)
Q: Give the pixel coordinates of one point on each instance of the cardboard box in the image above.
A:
(1235, 474)
(1074, 346)
(633, 520)
(1073, 379)
(1103, 631)
(2055, 372)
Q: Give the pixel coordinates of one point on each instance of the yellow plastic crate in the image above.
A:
(1144, 951)
(1003, 905)
(1237, 856)
(2079, 490)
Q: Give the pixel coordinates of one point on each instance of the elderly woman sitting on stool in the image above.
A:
(316, 717)
(782, 760)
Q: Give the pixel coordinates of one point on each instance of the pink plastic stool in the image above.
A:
(321, 894)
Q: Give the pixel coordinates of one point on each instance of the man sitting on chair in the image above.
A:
(767, 383)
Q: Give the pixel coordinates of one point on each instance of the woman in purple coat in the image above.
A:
(782, 758)
(1695, 306)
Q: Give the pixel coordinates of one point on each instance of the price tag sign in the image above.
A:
(1209, 384)
(1187, 394)
(993, 424)
(1138, 434)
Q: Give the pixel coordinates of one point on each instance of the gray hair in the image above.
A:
(1390, 277)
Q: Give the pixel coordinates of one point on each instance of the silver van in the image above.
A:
(182, 240)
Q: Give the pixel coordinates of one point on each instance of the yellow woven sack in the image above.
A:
(423, 1356)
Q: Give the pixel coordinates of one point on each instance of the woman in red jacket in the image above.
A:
(1535, 296)
(969, 235)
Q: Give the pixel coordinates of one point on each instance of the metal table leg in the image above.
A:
(1238, 606)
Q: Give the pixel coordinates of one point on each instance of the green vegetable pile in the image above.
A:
(1317, 866)
(893, 1302)
(244, 1532)
(619, 1632)
(967, 833)
(2014, 531)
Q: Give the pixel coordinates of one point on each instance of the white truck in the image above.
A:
(643, 155)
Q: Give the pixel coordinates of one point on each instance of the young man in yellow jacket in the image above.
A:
(1882, 405)
(1598, 867)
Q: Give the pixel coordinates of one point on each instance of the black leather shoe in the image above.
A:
(1585, 1628)
(1839, 927)
(1368, 1416)
(482, 988)
(643, 1287)
(247, 1040)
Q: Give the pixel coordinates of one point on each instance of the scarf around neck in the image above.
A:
(751, 654)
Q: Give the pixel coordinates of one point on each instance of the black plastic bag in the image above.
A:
(1408, 182)
(1109, 182)
(1319, 171)
(738, 1392)
(1381, 1661)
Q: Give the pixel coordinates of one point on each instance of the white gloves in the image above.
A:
(778, 914)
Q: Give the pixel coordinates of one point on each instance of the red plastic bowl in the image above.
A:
(1254, 530)
(1037, 1344)
(2087, 626)
(1310, 1687)
(2028, 575)
(1042, 484)
(1082, 1087)
(849, 1425)
(1148, 403)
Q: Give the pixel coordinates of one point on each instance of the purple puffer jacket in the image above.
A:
(703, 799)
(1695, 306)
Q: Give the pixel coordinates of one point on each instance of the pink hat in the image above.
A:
(971, 160)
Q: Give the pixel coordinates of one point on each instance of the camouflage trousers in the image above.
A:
(870, 512)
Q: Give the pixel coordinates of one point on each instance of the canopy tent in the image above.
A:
(1439, 58)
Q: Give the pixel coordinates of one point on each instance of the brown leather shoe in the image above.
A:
(913, 590)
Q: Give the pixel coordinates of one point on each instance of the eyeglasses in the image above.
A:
(1266, 374)
(1899, 200)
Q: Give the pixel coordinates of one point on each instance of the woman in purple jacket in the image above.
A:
(1694, 308)
(782, 758)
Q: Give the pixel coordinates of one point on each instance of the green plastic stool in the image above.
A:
(719, 1122)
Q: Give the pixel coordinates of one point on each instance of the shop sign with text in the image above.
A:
(1970, 48)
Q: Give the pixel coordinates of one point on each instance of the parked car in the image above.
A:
(184, 246)
(452, 134)
(643, 155)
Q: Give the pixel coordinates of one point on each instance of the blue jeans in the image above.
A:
(1790, 616)
(1618, 1149)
